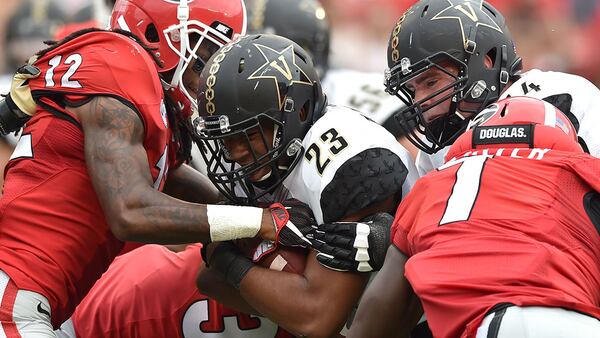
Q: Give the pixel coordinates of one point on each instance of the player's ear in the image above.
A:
(303, 114)
(487, 61)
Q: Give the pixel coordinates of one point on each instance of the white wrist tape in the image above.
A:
(229, 222)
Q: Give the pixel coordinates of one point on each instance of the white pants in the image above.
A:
(538, 322)
(23, 314)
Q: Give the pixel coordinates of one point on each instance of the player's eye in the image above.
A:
(198, 65)
(431, 83)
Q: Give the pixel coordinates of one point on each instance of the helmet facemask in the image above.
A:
(470, 37)
(411, 119)
(186, 39)
(234, 179)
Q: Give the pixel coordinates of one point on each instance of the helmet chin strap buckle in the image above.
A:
(504, 77)
(288, 106)
(470, 46)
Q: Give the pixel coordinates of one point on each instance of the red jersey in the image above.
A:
(54, 238)
(151, 292)
(512, 228)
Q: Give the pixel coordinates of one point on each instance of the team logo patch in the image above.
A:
(510, 134)
(466, 13)
(562, 125)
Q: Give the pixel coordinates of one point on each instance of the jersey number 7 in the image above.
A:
(465, 189)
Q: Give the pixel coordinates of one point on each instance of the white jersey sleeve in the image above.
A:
(349, 163)
(575, 96)
(362, 91)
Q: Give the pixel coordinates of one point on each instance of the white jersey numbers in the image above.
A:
(74, 60)
(335, 144)
(465, 189)
(200, 321)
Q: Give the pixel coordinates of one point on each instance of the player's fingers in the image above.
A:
(342, 228)
(325, 248)
(335, 240)
(334, 264)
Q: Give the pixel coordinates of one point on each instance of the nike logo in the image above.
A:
(40, 309)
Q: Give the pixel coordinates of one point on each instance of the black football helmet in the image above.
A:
(252, 84)
(443, 33)
(302, 21)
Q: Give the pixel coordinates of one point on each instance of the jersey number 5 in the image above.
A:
(465, 189)
(74, 60)
(330, 137)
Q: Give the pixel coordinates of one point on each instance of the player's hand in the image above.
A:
(18, 106)
(354, 246)
(227, 260)
(294, 223)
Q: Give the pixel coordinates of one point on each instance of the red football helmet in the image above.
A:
(518, 122)
(176, 29)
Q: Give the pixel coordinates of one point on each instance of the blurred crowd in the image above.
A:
(550, 34)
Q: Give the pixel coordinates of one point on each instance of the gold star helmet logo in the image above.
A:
(276, 68)
(466, 11)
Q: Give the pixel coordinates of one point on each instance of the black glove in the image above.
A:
(354, 246)
(294, 223)
(229, 262)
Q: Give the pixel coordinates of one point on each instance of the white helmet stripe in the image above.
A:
(123, 24)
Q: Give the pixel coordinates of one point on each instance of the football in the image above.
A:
(288, 259)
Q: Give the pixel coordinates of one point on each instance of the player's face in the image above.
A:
(242, 150)
(191, 76)
(428, 83)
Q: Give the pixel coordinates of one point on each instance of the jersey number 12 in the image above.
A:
(74, 60)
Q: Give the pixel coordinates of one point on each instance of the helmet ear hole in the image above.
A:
(151, 33)
(241, 65)
(304, 111)
(424, 12)
(492, 55)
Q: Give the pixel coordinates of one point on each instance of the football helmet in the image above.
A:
(518, 122)
(447, 35)
(257, 85)
(302, 21)
(177, 29)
